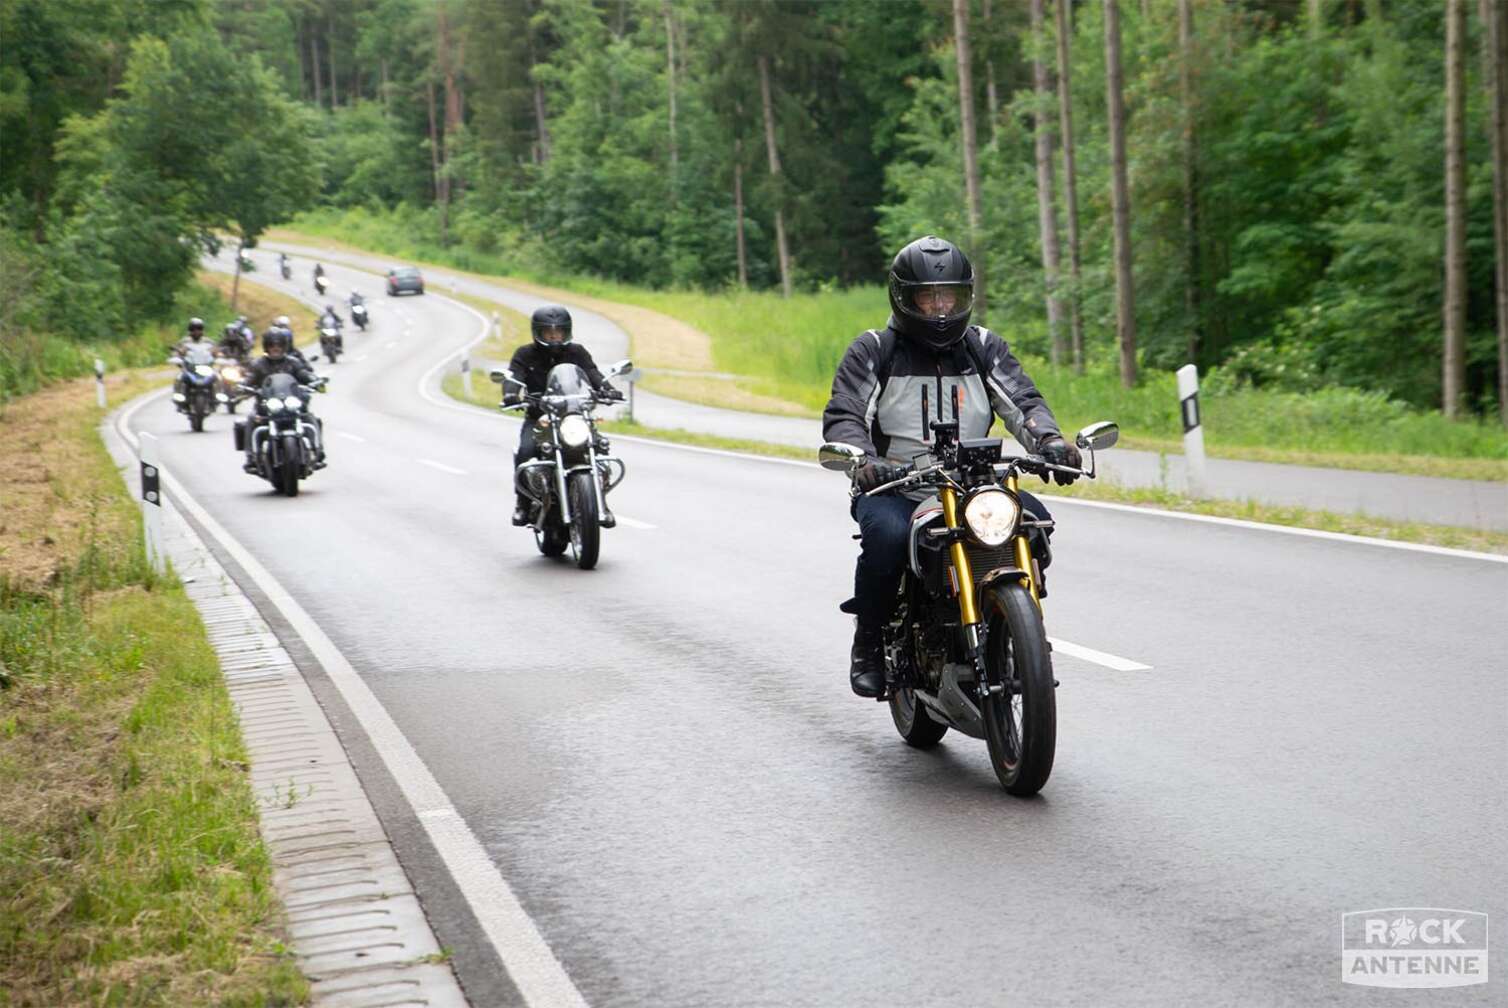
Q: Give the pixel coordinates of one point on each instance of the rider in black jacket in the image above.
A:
(550, 327)
(891, 385)
(278, 357)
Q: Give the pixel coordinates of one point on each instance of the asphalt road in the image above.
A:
(663, 759)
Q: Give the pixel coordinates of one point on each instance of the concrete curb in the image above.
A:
(353, 918)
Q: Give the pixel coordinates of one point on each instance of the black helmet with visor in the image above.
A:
(551, 327)
(279, 338)
(932, 292)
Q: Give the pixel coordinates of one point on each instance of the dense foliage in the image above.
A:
(631, 140)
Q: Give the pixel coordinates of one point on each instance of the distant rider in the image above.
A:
(531, 364)
(278, 358)
(890, 386)
(233, 342)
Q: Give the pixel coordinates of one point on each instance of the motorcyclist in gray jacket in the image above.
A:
(891, 385)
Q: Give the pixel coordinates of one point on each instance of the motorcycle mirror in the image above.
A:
(497, 374)
(623, 366)
(1098, 436)
(840, 457)
(313, 357)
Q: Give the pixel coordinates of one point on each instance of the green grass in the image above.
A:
(482, 394)
(787, 350)
(131, 868)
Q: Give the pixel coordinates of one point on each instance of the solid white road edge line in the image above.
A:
(1109, 505)
(350, 437)
(441, 466)
(1109, 661)
(539, 976)
(633, 522)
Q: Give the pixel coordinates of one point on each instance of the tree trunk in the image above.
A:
(738, 211)
(970, 150)
(449, 56)
(541, 122)
(1316, 18)
(330, 57)
(434, 151)
(1047, 208)
(1495, 52)
(1453, 379)
(781, 249)
(1120, 196)
(991, 92)
(1190, 179)
(385, 108)
(1070, 185)
(235, 285)
(670, 78)
(314, 68)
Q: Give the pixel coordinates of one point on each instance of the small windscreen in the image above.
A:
(566, 379)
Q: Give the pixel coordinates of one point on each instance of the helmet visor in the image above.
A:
(937, 301)
(552, 334)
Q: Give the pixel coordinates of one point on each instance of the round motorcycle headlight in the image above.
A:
(231, 374)
(574, 431)
(991, 516)
(203, 369)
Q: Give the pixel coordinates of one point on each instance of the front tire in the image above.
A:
(196, 422)
(586, 527)
(552, 540)
(1020, 724)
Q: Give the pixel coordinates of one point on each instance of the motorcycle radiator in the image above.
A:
(983, 559)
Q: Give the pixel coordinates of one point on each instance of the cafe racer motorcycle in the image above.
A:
(966, 647)
(570, 479)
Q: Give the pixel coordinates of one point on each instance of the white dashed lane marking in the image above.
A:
(442, 467)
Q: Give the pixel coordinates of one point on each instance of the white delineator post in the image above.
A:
(99, 382)
(151, 501)
(1193, 428)
(633, 377)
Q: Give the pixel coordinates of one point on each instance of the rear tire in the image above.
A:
(586, 527)
(552, 540)
(1020, 725)
(913, 720)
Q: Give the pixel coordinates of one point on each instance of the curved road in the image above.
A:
(663, 759)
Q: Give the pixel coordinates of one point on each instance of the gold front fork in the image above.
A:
(1022, 546)
(961, 569)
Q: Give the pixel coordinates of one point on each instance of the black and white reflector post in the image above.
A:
(99, 382)
(1193, 428)
(151, 501)
(633, 376)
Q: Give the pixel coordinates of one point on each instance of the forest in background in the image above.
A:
(1293, 212)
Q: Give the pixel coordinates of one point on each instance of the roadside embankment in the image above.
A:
(131, 870)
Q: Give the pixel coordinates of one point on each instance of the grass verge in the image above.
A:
(782, 353)
(131, 869)
(481, 393)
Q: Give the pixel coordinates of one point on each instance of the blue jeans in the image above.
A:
(884, 528)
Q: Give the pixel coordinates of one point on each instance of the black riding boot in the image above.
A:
(866, 670)
(521, 510)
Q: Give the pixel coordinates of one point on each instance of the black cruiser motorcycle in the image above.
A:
(570, 479)
(331, 342)
(194, 390)
(966, 647)
(286, 448)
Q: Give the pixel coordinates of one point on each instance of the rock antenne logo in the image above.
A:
(1413, 947)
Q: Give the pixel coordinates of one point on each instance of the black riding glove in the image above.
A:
(1059, 452)
(875, 474)
(609, 394)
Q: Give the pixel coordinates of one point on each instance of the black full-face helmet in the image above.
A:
(196, 328)
(932, 292)
(276, 338)
(551, 327)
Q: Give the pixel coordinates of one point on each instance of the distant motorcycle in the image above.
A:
(247, 265)
(331, 344)
(570, 480)
(284, 268)
(359, 314)
(194, 389)
(285, 448)
(229, 371)
(321, 284)
(966, 647)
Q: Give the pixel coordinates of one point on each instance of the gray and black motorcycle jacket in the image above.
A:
(889, 390)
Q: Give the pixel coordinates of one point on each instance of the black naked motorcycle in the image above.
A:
(966, 647)
(330, 342)
(570, 480)
(194, 389)
(285, 449)
(359, 312)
